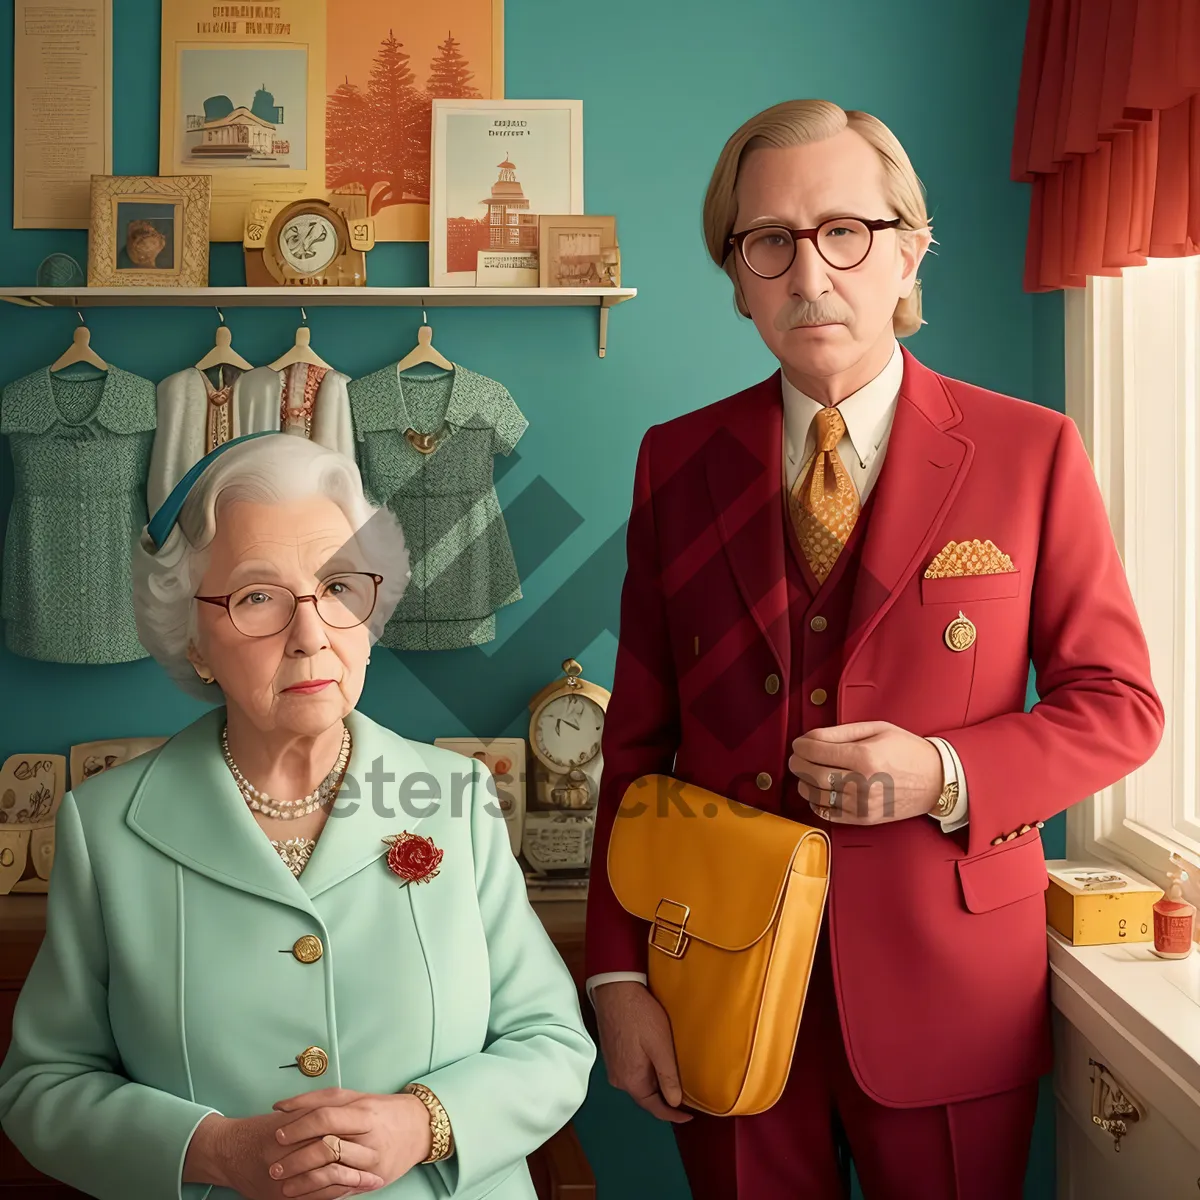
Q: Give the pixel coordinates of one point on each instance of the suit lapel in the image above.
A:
(923, 468)
(368, 812)
(744, 468)
(188, 806)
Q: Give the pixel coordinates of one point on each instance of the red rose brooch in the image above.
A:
(415, 859)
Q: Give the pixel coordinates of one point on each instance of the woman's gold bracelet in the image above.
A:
(439, 1123)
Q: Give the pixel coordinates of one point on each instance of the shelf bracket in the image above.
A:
(603, 328)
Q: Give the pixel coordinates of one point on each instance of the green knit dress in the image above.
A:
(462, 562)
(81, 451)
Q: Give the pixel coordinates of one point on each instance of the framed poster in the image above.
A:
(386, 61)
(62, 110)
(497, 165)
(243, 99)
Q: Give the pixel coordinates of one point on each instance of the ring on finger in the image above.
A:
(335, 1144)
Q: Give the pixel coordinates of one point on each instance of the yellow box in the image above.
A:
(1092, 904)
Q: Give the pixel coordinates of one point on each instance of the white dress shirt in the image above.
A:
(868, 415)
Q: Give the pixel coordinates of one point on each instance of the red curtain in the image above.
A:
(1108, 133)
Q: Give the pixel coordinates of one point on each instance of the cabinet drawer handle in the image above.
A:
(1112, 1108)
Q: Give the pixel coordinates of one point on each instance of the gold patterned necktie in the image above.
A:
(823, 502)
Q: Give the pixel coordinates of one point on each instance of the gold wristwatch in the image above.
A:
(944, 805)
(439, 1123)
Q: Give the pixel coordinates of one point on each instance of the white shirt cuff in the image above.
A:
(595, 981)
(952, 770)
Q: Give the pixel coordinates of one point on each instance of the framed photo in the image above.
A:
(578, 252)
(243, 99)
(496, 165)
(149, 231)
(385, 61)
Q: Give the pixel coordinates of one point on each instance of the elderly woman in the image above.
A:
(246, 989)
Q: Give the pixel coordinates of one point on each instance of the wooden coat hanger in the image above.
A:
(223, 354)
(302, 351)
(80, 350)
(424, 352)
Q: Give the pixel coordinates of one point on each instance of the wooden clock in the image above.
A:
(305, 243)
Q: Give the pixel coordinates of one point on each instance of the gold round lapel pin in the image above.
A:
(960, 633)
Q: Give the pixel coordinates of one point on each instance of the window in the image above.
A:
(1133, 388)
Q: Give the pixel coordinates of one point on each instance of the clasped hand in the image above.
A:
(866, 772)
(382, 1136)
(320, 1145)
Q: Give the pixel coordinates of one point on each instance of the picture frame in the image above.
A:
(495, 166)
(576, 251)
(243, 99)
(149, 231)
(451, 49)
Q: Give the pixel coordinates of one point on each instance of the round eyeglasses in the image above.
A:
(843, 242)
(263, 609)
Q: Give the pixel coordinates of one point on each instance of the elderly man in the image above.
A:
(847, 568)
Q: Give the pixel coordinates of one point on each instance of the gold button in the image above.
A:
(313, 1061)
(997, 841)
(772, 684)
(308, 948)
(1025, 829)
(818, 624)
(819, 696)
(763, 780)
(1008, 837)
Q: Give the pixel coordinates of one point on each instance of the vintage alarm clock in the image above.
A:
(305, 243)
(566, 725)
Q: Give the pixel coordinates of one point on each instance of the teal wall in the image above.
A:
(663, 85)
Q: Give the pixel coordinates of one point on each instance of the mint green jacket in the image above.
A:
(166, 987)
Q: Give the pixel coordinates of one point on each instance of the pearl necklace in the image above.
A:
(289, 810)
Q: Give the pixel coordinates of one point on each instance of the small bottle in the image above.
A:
(1174, 921)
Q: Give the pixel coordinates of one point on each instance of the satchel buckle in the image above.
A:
(667, 932)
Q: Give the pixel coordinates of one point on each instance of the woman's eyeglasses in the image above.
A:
(843, 242)
(263, 609)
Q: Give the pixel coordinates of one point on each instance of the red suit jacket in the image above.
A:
(938, 940)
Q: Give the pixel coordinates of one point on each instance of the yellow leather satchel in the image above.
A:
(734, 897)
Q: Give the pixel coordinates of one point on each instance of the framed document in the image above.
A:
(497, 165)
(62, 110)
(243, 100)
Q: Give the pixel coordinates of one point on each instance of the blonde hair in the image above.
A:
(796, 123)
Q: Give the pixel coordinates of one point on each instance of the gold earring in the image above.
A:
(207, 678)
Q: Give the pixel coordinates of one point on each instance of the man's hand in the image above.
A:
(879, 772)
(638, 1051)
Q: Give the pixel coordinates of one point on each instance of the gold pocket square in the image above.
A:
(969, 558)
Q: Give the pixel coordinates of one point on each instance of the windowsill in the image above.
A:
(1152, 1003)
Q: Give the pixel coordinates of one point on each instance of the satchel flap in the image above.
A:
(727, 863)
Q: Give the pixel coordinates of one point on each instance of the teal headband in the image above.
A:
(163, 521)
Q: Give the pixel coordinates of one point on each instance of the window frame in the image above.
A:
(1132, 367)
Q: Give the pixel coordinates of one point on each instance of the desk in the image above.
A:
(560, 1169)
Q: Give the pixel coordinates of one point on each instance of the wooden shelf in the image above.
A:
(601, 298)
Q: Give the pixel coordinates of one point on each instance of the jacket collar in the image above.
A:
(188, 806)
(127, 404)
(379, 404)
(923, 469)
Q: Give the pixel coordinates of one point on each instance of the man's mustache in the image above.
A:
(809, 312)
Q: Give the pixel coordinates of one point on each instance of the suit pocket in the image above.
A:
(958, 589)
(1004, 874)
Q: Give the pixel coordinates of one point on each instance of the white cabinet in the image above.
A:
(1099, 1036)
(1156, 1161)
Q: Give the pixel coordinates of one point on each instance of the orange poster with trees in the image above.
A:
(385, 63)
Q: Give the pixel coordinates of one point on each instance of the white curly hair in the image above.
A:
(267, 470)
